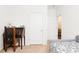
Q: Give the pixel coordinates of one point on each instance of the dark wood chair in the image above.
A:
(20, 33)
(10, 35)
(7, 37)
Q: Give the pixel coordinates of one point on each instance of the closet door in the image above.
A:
(36, 28)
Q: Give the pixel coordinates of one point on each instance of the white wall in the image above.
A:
(52, 23)
(70, 18)
(3, 22)
(70, 21)
(21, 15)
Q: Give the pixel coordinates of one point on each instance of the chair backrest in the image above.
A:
(19, 31)
(8, 32)
(8, 35)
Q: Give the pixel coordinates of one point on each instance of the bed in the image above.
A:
(66, 46)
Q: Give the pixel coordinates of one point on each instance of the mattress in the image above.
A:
(64, 46)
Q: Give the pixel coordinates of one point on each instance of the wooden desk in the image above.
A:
(16, 32)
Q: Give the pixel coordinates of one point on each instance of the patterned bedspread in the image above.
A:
(64, 47)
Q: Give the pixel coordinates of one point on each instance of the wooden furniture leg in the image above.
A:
(14, 40)
(5, 46)
(24, 40)
(21, 43)
(24, 36)
(4, 42)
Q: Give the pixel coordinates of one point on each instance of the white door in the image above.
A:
(36, 28)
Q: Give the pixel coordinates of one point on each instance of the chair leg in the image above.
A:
(14, 40)
(5, 45)
(24, 40)
(21, 43)
(14, 46)
(14, 50)
(5, 48)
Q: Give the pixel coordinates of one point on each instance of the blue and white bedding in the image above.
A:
(64, 46)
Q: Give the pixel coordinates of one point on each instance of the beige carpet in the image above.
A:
(34, 48)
